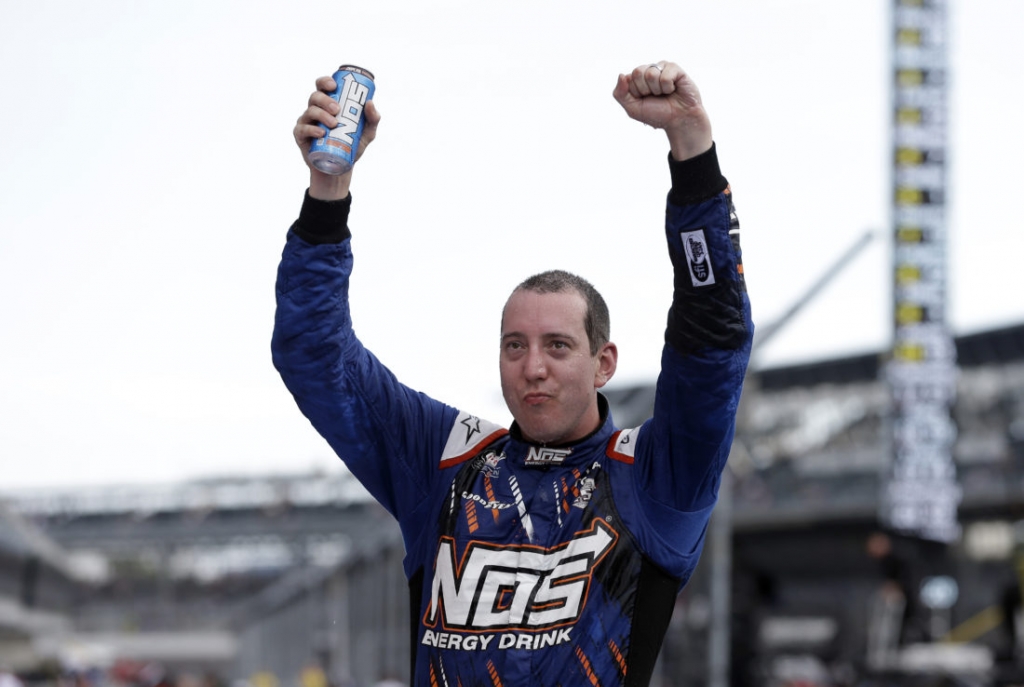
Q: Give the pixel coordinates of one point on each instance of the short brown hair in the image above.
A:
(596, 321)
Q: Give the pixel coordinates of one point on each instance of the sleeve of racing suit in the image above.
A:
(707, 347)
(387, 434)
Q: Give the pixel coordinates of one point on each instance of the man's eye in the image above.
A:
(561, 345)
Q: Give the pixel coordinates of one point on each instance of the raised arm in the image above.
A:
(386, 433)
(709, 330)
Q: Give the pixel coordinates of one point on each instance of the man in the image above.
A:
(549, 553)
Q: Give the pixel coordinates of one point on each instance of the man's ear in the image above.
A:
(607, 361)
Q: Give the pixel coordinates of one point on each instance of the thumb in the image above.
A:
(621, 91)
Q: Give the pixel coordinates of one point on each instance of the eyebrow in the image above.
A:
(546, 337)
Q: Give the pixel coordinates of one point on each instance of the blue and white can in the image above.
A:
(336, 151)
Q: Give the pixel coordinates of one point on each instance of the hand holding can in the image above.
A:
(336, 151)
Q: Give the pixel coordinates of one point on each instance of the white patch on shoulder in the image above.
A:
(623, 445)
(468, 433)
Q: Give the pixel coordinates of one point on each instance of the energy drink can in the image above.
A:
(335, 152)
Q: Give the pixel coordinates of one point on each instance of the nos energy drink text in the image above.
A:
(335, 153)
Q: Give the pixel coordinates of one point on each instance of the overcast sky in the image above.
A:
(148, 178)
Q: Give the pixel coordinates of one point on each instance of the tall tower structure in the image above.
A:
(921, 495)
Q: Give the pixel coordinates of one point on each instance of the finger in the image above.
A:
(631, 87)
(324, 102)
(657, 80)
(372, 114)
(327, 84)
(638, 82)
(684, 86)
(670, 74)
(621, 89)
(370, 124)
(372, 119)
(318, 115)
(671, 69)
(304, 133)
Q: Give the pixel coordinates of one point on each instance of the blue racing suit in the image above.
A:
(533, 565)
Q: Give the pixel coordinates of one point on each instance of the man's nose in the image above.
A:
(536, 365)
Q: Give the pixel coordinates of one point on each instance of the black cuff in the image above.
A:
(323, 221)
(696, 179)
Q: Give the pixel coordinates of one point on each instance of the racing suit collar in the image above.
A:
(553, 455)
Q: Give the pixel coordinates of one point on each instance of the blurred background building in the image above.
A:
(297, 580)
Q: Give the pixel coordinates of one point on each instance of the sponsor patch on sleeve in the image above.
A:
(698, 258)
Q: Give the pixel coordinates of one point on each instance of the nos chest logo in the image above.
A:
(543, 457)
(516, 587)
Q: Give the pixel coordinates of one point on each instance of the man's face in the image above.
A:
(548, 376)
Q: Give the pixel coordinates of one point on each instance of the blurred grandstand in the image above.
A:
(268, 579)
